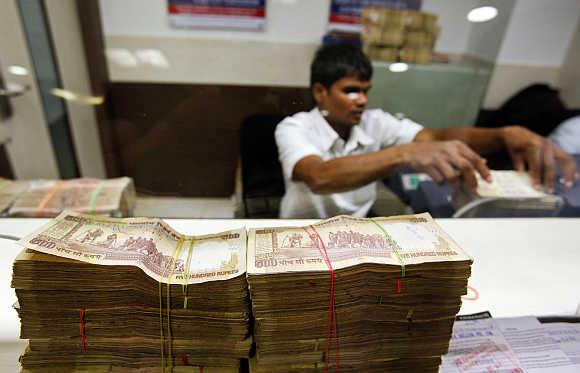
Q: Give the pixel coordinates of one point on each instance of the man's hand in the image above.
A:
(540, 156)
(451, 161)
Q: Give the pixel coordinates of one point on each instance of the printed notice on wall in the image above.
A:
(218, 14)
(345, 14)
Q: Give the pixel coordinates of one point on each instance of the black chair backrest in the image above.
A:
(261, 169)
(537, 107)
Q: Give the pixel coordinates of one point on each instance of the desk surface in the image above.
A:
(521, 266)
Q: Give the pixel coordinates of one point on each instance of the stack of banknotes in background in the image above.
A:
(103, 294)
(48, 198)
(346, 294)
(360, 295)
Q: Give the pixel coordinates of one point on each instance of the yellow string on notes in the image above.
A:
(170, 263)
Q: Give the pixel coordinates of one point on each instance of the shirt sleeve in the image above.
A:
(294, 141)
(567, 135)
(396, 131)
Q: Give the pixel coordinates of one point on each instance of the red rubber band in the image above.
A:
(82, 330)
(332, 323)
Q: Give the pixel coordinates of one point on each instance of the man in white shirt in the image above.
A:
(333, 155)
(567, 135)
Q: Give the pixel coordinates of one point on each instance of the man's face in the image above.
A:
(345, 101)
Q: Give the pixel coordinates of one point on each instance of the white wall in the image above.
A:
(539, 32)
(534, 47)
(455, 28)
(570, 74)
(278, 56)
(287, 21)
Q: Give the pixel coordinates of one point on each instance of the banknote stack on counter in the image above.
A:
(350, 294)
(104, 294)
(346, 294)
(48, 198)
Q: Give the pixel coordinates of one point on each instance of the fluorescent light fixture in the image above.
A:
(482, 14)
(398, 67)
(17, 70)
(121, 56)
(153, 57)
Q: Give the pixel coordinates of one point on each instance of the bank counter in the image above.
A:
(521, 266)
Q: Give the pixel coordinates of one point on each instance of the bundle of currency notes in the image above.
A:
(48, 198)
(104, 294)
(352, 294)
(510, 193)
(9, 192)
(399, 34)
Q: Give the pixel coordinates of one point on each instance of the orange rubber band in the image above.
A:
(48, 197)
(475, 294)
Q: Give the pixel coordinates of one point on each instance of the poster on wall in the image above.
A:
(345, 14)
(219, 14)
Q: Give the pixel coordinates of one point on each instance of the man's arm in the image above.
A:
(346, 173)
(526, 148)
(484, 141)
(442, 160)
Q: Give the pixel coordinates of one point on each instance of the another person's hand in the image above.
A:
(539, 155)
(451, 161)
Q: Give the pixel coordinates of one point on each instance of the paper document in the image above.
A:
(522, 345)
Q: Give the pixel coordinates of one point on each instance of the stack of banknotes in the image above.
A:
(360, 295)
(48, 198)
(345, 294)
(98, 293)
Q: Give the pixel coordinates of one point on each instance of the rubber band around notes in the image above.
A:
(170, 338)
(94, 197)
(172, 261)
(48, 197)
(187, 272)
(332, 323)
(82, 330)
(395, 247)
(475, 294)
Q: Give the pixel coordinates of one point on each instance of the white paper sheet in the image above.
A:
(511, 345)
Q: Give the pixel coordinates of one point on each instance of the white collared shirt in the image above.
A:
(308, 133)
(567, 135)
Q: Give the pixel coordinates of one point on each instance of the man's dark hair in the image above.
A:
(337, 61)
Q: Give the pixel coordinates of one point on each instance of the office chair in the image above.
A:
(262, 178)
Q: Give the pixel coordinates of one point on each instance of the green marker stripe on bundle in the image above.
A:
(394, 245)
(94, 197)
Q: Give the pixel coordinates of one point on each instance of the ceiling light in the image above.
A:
(482, 14)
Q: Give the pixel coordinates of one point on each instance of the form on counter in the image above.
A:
(513, 345)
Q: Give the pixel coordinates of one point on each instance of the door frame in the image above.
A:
(29, 145)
